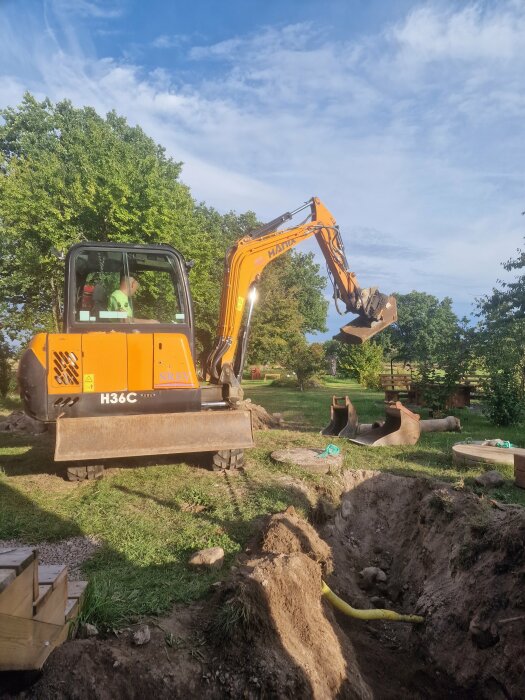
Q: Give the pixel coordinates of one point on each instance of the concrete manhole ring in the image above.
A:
(309, 459)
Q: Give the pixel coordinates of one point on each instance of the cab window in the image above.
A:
(118, 287)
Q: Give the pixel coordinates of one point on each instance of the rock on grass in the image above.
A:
(491, 479)
(207, 559)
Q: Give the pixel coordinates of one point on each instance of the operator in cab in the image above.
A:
(120, 299)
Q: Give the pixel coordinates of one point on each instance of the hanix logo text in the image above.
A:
(280, 247)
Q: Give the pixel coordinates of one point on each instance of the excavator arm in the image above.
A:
(247, 259)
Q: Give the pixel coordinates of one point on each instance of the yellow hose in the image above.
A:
(373, 614)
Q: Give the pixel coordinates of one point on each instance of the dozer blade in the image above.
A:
(401, 427)
(361, 328)
(105, 437)
(343, 418)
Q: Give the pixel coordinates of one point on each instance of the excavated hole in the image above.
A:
(455, 558)
(417, 546)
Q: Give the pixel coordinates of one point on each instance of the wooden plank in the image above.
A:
(49, 573)
(75, 589)
(25, 643)
(53, 610)
(6, 576)
(64, 634)
(75, 593)
(43, 594)
(17, 598)
(72, 608)
(17, 558)
(35, 577)
(53, 606)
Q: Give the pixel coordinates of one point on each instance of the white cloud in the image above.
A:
(170, 41)
(413, 136)
(98, 9)
(470, 34)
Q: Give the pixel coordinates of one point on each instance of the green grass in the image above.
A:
(150, 518)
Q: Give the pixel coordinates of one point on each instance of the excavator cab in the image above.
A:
(126, 288)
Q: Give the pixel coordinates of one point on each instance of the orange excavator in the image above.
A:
(121, 379)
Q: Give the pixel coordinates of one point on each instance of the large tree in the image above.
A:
(424, 328)
(364, 362)
(429, 335)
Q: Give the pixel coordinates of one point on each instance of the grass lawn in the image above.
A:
(150, 518)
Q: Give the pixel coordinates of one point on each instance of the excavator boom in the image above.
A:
(250, 255)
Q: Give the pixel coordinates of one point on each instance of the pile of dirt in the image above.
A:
(18, 422)
(261, 419)
(285, 635)
(449, 555)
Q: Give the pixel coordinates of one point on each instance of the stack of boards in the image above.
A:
(37, 606)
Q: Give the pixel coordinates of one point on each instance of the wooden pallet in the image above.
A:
(37, 606)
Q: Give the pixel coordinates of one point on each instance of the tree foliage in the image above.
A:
(5, 367)
(424, 330)
(290, 304)
(69, 175)
(363, 362)
(307, 361)
(429, 335)
(500, 343)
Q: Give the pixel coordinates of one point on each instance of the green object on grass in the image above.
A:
(330, 451)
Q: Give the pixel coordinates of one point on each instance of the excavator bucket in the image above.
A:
(401, 427)
(105, 437)
(362, 328)
(343, 418)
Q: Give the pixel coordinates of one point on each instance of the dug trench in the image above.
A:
(406, 544)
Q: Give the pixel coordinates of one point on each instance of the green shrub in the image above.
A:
(292, 382)
(364, 362)
(505, 398)
(307, 361)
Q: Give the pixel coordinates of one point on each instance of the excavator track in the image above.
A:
(228, 460)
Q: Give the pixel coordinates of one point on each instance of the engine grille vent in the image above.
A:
(65, 365)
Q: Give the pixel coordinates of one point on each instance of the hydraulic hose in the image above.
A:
(373, 614)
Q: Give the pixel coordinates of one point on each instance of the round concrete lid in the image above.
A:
(474, 454)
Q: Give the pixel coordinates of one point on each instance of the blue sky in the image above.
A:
(406, 118)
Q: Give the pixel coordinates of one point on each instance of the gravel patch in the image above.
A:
(71, 552)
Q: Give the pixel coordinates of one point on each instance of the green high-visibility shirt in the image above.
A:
(119, 301)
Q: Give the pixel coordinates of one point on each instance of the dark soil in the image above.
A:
(448, 555)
